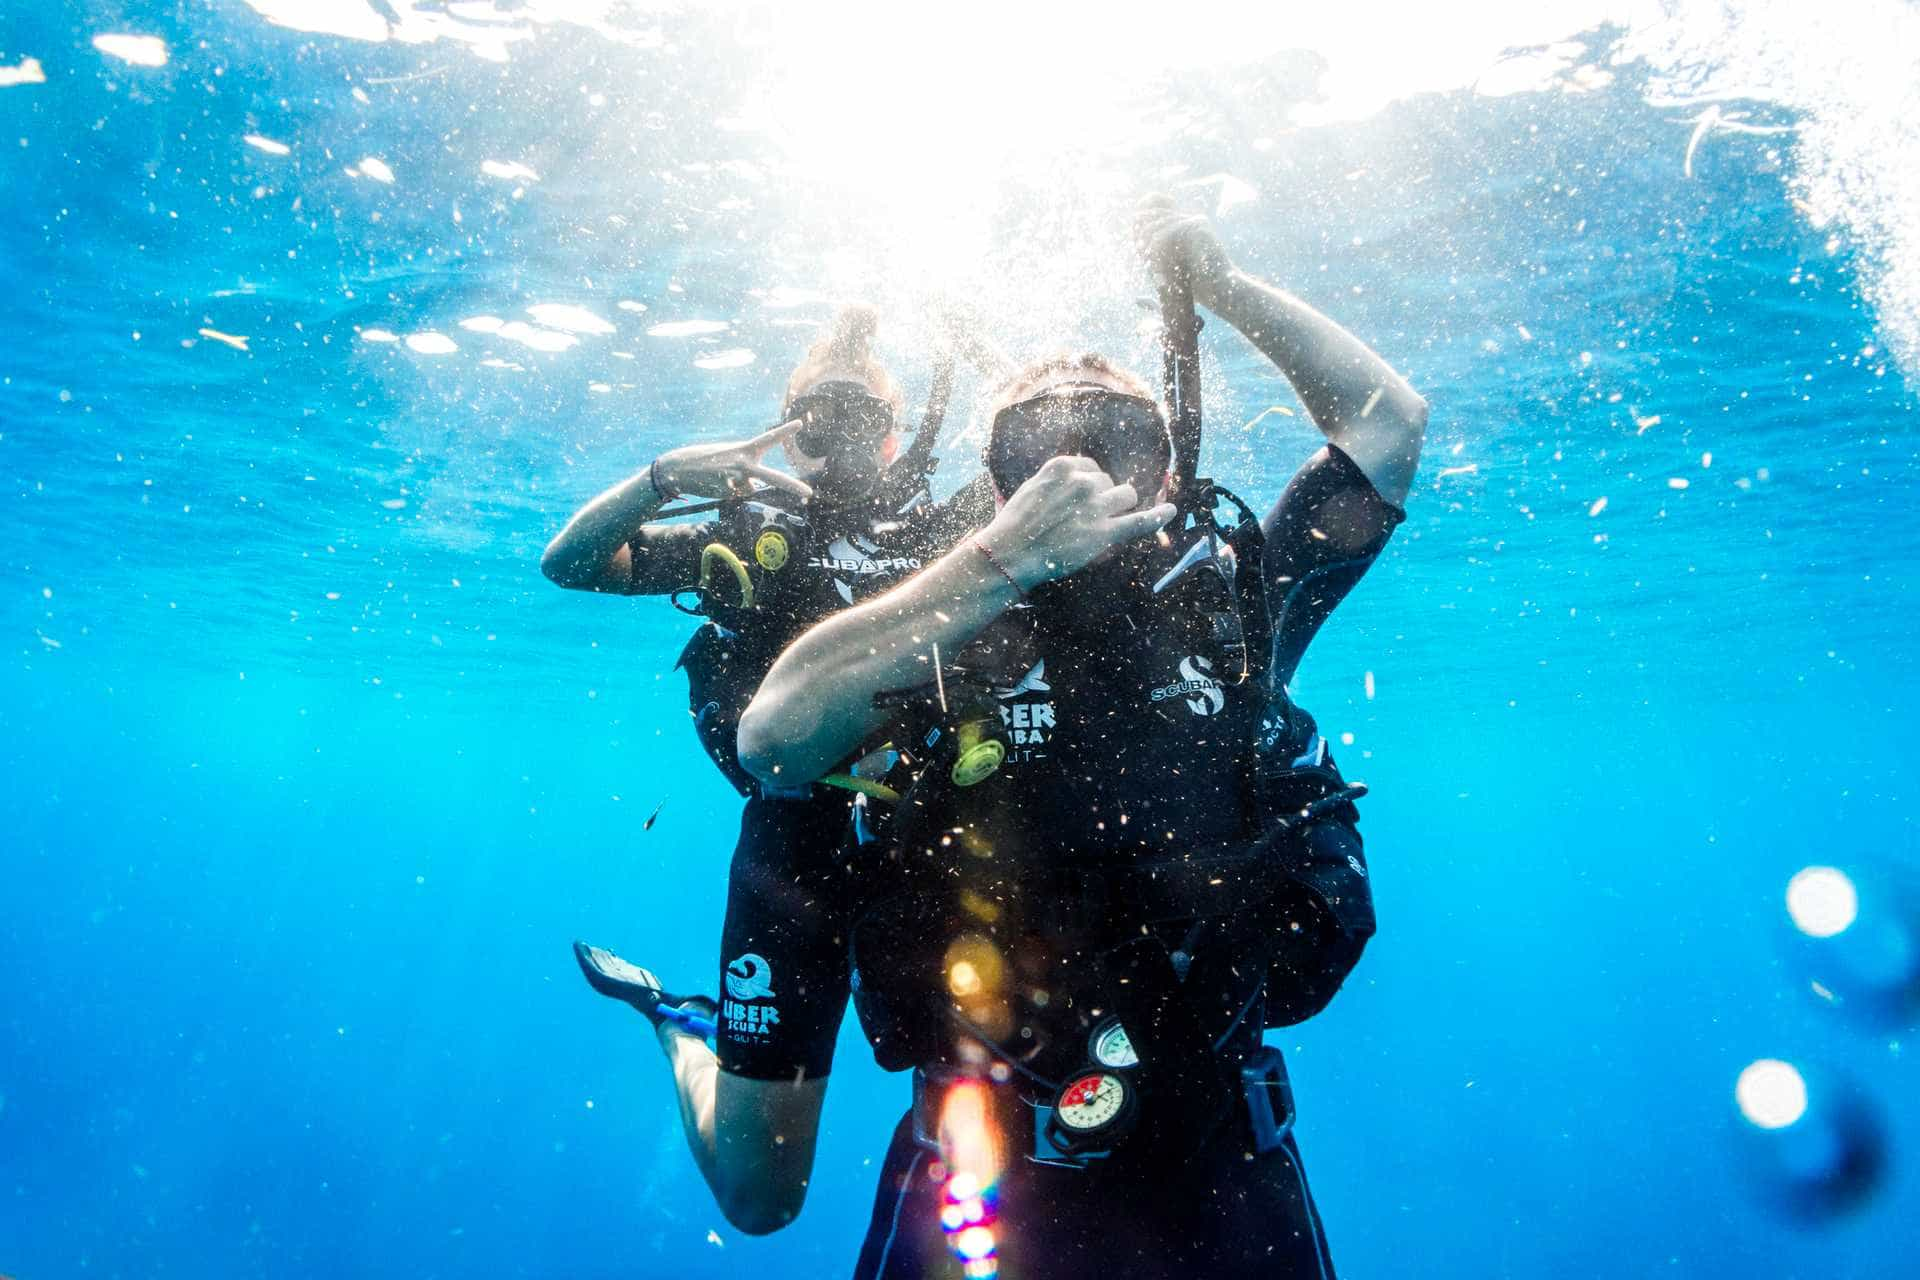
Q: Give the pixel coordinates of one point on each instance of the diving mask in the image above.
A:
(844, 425)
(1125, 434)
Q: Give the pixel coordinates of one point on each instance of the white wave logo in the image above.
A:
(750, 978)
(1197, 673)
(1035, 681)
(1196, 677)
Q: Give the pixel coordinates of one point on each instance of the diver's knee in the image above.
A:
(755, 1212)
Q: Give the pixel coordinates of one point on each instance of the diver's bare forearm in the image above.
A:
(815, 707)
(1354, 396)
(579, 554)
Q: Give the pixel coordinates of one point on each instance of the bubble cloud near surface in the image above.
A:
(1854, 159)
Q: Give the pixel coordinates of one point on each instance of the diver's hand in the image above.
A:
(1181, 246)
(1063, 518)
(730, 467)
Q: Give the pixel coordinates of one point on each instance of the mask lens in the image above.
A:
(845, 425)
(840, 416)
(1124, 434)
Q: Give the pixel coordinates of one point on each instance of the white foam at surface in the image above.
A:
(378, 335)
(140, 51)
(734, 358)
(431, 344)
(29, 71)
(628, 304)
(539, 339)
(352, 19)
(567, 317)
(1531, 72)
(508, 171)
(482, 324)
(688, 328)
(1848, 86)
(260, 142)
(376, 168)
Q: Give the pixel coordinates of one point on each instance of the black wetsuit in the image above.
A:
(785, 842)
(1102, 753)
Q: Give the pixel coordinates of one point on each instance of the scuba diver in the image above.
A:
(852, 518)
(1121, 850)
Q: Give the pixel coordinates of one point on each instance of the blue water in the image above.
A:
(310, 778)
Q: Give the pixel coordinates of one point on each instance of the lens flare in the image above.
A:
(974, 1243)
(1822, 901)
(963, 979)
(1771, 1094)
(970, 1158)
(1812, 1146)
(967, 1141)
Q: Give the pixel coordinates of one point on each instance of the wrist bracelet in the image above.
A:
(659, 490)
(994, 560)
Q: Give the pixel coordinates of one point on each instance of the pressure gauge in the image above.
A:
(1092, 1103)
(1110, 1046)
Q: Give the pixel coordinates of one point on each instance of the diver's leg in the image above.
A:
(1290, 1216)
(682, 1023)
(1250, 1216)
(903, 1239)
(750, 1098)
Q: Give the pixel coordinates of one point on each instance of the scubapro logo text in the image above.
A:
(1195, 678)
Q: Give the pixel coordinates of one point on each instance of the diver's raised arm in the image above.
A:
(1356, 398)
(591, 553)
(815, 707)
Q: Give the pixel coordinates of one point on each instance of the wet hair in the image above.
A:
(847, 352)
(1066, 367)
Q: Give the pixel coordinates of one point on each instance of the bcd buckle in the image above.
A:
(1269, 1094)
